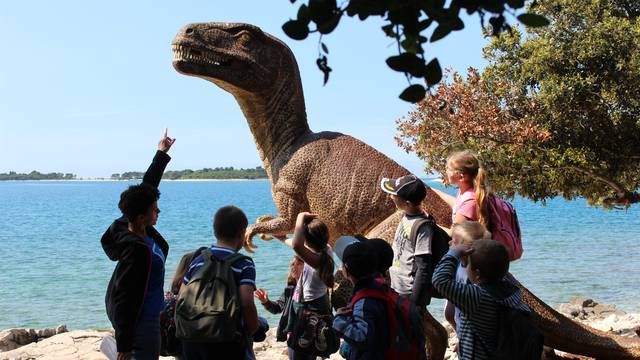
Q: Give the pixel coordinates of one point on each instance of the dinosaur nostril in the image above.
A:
(189, 31)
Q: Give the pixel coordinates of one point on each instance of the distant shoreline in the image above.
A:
(124, 180)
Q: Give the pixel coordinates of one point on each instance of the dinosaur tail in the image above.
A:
(564, 334)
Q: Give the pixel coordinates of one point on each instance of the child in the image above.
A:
(283, 305)
(479, 301)
(135, 291)
(364, 327)
(465, 170)
(409, 273)
(310, 243)
(170, 345)
(229, 226)
(382, 251)
(466, 233)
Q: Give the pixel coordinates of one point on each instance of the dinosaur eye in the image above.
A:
(245, 38)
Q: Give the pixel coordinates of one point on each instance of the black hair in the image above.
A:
(383, 253)
(228, 222)
(360, 260)
(137, 200)
(491, 258)
(414, 193)
(316, 235)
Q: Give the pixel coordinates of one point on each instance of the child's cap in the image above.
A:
(403, 186)
(359, 260)
(342, 243)
(381, 250)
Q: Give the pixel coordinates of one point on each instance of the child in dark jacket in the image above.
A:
(365, 326)
(135, 292)
(479, 301)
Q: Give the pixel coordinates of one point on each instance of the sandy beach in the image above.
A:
(60, 344)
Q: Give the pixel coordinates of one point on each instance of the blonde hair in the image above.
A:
(468, 163)
(469, 231)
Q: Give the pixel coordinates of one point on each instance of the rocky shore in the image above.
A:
(59, 344)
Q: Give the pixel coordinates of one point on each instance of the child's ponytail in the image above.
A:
(326, 269)
(482, 197)
(317, 236)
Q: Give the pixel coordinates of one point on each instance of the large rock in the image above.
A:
(70, 345)
(14, 338)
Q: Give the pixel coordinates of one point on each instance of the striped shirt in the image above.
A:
(479, 311)
(244, 271)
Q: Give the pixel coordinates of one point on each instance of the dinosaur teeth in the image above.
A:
(197, 56)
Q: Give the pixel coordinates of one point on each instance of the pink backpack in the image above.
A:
(505, 227)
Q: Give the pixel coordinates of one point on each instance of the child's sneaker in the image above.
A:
(307, 336)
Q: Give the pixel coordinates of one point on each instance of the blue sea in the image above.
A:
(53, 269)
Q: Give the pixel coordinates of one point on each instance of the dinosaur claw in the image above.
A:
(266, 237)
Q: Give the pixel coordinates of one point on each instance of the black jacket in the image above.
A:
(283, 305)
(127, 288)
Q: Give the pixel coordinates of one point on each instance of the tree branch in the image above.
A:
(621, 191)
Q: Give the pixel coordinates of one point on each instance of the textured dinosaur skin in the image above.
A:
(328, 173)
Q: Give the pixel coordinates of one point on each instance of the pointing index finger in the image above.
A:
(165, 131)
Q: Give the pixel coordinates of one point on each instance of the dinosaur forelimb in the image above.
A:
(278, 226)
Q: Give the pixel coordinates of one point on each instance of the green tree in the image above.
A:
(556, 112)
(411, 23)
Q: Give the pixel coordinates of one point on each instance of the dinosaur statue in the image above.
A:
(328, 173)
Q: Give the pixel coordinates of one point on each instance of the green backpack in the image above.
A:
(209, 309)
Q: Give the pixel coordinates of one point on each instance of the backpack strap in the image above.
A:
(208, 271)
(226, 267)
(417, 224)
(368, 293)
(205, 271)
(301, 283)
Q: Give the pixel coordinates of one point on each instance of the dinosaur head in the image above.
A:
(239, 58)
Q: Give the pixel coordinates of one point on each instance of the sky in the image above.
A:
(87, 87)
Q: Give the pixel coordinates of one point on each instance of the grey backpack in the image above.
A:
(209, 309)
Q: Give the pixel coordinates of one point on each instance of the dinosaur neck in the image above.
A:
(277, 119)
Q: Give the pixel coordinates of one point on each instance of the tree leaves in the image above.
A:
(413, 93)
(322, 65)
(433, 72)
(304, 15)
(439, 33)
(552, 114)
(533, 20)
(408, 63)
(324, 48)
(407, 22)
(296, 30)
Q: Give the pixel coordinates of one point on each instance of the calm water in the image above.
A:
(53, 269)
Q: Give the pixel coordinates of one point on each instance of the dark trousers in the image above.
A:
(206, 351)
(146, 340)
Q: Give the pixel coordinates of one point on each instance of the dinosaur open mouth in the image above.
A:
(183, 53)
